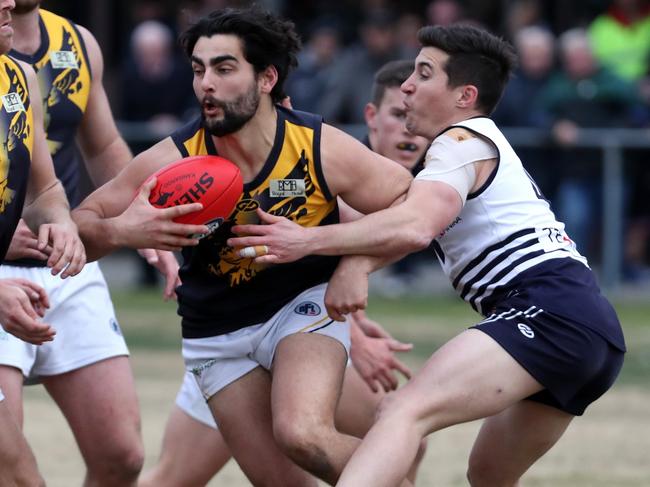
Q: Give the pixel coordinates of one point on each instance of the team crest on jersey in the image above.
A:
(63, 60)
(12, 103)
(284, 188)
(307, 308)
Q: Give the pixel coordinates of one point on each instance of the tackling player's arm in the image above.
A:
(46, 210)
(119, 214)
(104, 150)
(430, 206)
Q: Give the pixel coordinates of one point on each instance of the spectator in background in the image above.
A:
(535, 47)
(522, 14)
(621, 41)
(155, 84)
(348, 89)
(306, 85)
(583, 94)
(444, 12)
(408, 26)
(620, 38)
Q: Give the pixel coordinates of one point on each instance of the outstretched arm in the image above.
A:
(119, 213)
(404, 228)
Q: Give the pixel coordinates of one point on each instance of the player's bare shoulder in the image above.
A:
(460, 134)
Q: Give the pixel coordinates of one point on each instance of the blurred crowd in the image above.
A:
(582, 65)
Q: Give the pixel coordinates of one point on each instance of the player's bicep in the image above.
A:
(363, 179)
(431, 206)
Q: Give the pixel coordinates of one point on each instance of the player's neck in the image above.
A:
(250, 146)
(27, 33)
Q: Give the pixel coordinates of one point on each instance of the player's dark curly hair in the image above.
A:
(266, 39)
(476, 57)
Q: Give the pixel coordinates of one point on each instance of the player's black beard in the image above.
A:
(235, 113)
(25, 6)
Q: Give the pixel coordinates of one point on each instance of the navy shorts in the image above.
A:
(574, 363)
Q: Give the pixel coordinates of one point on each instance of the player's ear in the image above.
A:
(268, 78)
(466, 96)
(370, 114)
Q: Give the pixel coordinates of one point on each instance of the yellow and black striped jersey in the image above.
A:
(222, 292)
(64, 77)
(17, 136)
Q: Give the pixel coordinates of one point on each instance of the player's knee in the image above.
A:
(305, 442)
(484, 472)
(120, 463)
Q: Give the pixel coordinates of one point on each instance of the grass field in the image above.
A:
(608, 447)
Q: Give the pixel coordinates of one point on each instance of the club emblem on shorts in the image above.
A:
(526, 330)
(198, 370)
(115, 326)
(308, 308)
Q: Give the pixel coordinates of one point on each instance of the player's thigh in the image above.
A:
(308, 371)
(11, 384)
(99, 401)
(179, 464)
(243, 411)
(511, 441)
(357, 407)
(470, 377)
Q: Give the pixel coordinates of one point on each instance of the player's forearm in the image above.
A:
(100, 236)
(389, 234)
(49, 206)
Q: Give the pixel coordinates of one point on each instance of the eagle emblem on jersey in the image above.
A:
(14, 131)
(60, 84)
(229, 264)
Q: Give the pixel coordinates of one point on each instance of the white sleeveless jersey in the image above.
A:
(504, 228)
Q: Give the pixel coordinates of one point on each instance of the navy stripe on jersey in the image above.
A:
(493, 263)
(321, 327)
(477, 260)
(501, 262)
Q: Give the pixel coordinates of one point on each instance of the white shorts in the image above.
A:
(217, 361)
(2, 397)
(190, 400)
(82, 314)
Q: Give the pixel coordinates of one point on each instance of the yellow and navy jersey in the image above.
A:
(63, 69)
(222, 292)
(17, 136)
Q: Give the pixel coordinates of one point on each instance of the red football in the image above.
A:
(211, 180)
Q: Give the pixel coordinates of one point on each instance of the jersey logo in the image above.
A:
(247, 205)
(284, 188)
(13, 103)
(63, 60)
(526, 330)
(308, 308)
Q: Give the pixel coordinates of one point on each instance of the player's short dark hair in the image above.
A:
(266, 39)
(476, 57)
(390, 75)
